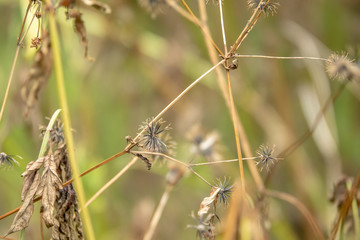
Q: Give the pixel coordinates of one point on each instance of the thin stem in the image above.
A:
(224, 161)
(197, 22)
(181, 11)
(250, 24)
(28, 28)
(316, 122)
(279, 57)
(158, 212)
(67, 123)
(346, 206)
(237, 140)
(109, 183)
(174, 160)
(222, 26)
(130, 145)
(301, 207)
(9, 81)
(222, 84)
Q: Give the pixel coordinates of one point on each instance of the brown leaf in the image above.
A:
(38, 75)
(80, 29)
(207, 201)
(52, 182)
(22, 218)
(31, 178)
(98, 5)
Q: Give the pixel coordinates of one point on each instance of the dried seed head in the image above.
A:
(56, 133)
(35, 42)
(225, 190)
(266, 159)
(151, 140)
(340, 66)
(205, 228)
(269, 8)
(7, 161)
(154, 7)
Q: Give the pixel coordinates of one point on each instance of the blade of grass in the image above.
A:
(67, 123)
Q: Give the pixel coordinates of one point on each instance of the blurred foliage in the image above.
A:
(142, 63)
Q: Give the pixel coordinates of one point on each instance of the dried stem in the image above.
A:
(206, 33)
(224, 161)
(346, 206)
(158, 212)
(279, 57)
(251, 23)
(175, 161)
(109, 183)
(301, 207)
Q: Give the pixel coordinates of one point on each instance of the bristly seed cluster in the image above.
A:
(340, 66)
(151, 140)
(266, 158)
(7, 161)
(269, 8)
(225, 190)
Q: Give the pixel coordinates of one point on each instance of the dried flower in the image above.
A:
(35, 42)
(151, 140)
(340, 66)
(8, 160)
(205, 228)
(56, 133)
(225, 190)
(264, 154)
(270, 7)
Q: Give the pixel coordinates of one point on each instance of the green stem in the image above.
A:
(67, 124)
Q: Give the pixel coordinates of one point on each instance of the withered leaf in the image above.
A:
(31, 178)
(80, 29)
(207, 201)
(98, 5)
(38, 75)
(22, 218)
(52, 182)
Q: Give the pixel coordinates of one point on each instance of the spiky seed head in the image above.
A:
(7, 161)
(151, 140)
(226, 188)
(269, 8)
(340, 66)
(266, 158)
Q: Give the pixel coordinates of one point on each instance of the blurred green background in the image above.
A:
(142, 63)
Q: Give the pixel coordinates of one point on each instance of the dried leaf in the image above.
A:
(22, 218)
(31, 178)
(31, 183)
(38, 75)
(80, 29)
(98, 5)
(52, 182)
(207, 201)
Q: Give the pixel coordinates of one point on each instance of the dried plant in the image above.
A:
(49, 178)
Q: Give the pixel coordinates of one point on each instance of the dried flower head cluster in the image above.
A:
(266, 158)
(154, 7)
(8, 161)
(267, 6)
(340, 66)
(151, 140)
(57, 136)
(205, 225)
(205, 228)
